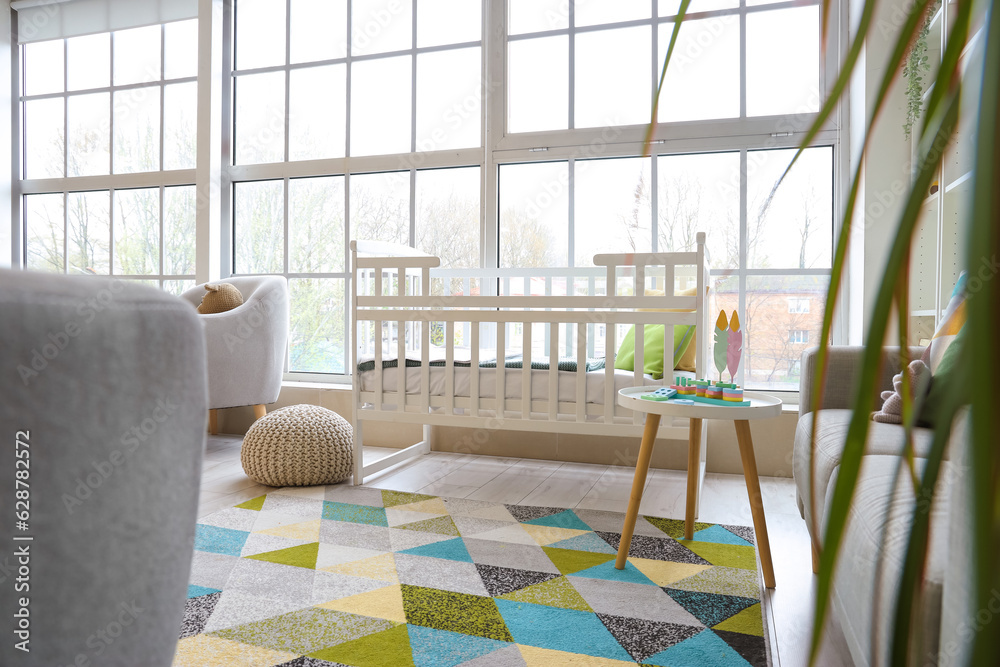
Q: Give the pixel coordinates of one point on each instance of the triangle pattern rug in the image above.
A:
(344, 575)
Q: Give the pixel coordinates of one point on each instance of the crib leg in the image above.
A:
(359, 461)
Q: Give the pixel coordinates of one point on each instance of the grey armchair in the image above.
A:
(102, 417)
(246, 346)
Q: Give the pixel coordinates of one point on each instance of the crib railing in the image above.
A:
(405, 306)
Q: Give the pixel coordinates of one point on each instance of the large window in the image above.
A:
(489, 132)
(109, 154)
(355, 98)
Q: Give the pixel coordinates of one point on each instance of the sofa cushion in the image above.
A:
(831, 433)
(876, 512)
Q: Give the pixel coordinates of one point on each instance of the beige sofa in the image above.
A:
(874, 542)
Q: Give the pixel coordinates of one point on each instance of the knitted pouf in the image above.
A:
(301, 445)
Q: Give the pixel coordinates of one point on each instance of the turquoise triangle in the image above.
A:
(565, 519)
(443, 648)
(589, 542)
(608, 572)
(448, 550)
(719, 535)
(705, 648)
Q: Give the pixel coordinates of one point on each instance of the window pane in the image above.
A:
(378, 26)
(671, 7)
(43, 67)
(534, 214)
(793, 226)
(593, 13)
(137, 55)
(380, 207)
(319, 30)
(612, 206)
(448, 22)
(260, 33)
(260, 118)
(774, 338)
(180, 125)
(613, 79)
(180, 58)
(316, 224)
(177, 287)
(259, 229)
(536, 15)
(783, 61)
(89, 61)
(538, 85)
(449, 94)
(447, 215)
(179, 230)
(706, 50)
(380, 106)
(88, 150)
(318, 310)
(317, 120)
(700, 193)
(137, 130)
(43, 216)
(89, 228)
(137, 231)
(43, 138)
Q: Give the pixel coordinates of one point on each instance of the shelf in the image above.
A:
(923, 313)
(961, 180)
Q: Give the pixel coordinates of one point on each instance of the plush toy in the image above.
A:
(219, 298)
(892, 408)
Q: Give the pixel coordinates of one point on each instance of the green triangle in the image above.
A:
(726, 555)
(674, 527)
(569, 561)
(558, 592)
(303, 555)
(254, 504)
(748, 622)
(389, 647)
(442, 525)
(393, 498)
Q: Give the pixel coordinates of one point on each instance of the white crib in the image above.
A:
(445, 323)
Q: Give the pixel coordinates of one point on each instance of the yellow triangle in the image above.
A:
(384, 603)
(431, 506)
(664, 573)
(558, 592)
(307, 530)
(546, 535)
(749, 622)
(380, 568)
(543, 657)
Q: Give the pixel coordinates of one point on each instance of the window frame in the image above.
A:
(109, 183)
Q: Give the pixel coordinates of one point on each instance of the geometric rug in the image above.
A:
(348, 575)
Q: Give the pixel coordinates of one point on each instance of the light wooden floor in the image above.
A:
(531, 482)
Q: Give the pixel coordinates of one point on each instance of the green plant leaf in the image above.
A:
(681, 13)
(866, 387)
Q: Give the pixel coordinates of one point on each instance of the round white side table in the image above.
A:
(761, 406)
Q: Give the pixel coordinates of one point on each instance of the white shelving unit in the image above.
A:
(937, 255)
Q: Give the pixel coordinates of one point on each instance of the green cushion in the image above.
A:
(943, 382)
(652, 348)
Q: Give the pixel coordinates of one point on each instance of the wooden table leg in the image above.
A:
(694, 469)
(638, 482)
(213, 422)
(756, 504)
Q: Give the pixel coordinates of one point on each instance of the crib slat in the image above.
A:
(526, 370)
(581, 372)
(609, 372)
(378, 364)
(501, 372)
(474, 369)
(401, 362)
(449, 367)
(553, 371)
(640, 280)
(425, 362)
(640, 365)
(378, 282)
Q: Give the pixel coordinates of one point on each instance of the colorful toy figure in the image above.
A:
(734, 346)
(706, 391)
